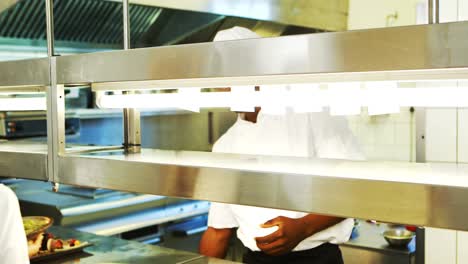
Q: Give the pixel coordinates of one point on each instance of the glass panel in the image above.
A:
(87, 26)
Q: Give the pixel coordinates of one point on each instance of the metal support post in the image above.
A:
(53, 122)
(433, 9)
(131, 117)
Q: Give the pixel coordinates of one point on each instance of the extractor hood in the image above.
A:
(94, 25)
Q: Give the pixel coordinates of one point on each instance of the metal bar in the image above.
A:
(420, 125)
(131, 117)
(24, 73)
(398, 192)
(131, 126)
(126, 25)
(50, 27)
(55, 124)
(420, 52)
(433, 11)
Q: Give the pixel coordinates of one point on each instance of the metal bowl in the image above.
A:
(398, 237)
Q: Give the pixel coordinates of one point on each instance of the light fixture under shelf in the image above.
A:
(341, 98)
(23, 104)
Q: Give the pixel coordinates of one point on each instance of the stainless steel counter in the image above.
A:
(370, 247)
(396, 192)
(114, 250)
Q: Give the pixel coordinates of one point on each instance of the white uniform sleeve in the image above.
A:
(13, 243)
(333, 139)
(337, 234)
(221, 216)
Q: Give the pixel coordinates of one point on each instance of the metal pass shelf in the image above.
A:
(423, 194)
(26, 160)
(402, 53)
(21, 74)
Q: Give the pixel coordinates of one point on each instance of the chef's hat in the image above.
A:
(235, 33)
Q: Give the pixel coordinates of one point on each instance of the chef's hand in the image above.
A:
(35, 245)
(289, 234)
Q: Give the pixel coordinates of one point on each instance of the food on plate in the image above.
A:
(46, 243)
(41, 243)
(34, 225)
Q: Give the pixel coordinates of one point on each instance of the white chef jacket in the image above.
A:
(301, 135)
(13, 243)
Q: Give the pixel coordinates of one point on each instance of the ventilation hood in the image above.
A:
(94, 25)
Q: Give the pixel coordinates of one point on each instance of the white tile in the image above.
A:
(400, 152)
(440, 246)
(462, 246)
(463, 135)
(402, 133)
(462, 10)
(441, 132)
(366, 134)
(385, 134)
(405, 115)
(448, 11)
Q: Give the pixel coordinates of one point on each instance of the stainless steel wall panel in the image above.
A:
(420, 194)
(413, 52)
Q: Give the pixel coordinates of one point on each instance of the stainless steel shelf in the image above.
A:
(25, 75)
(435, 51)
(413, 193)
(23, 160)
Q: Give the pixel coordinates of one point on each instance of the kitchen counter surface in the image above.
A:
(115, 250)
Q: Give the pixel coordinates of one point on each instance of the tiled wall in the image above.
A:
(385, 137)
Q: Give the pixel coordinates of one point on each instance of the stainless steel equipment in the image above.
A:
(30, 124)
(398, 237)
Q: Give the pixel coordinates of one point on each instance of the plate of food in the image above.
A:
(51, 247)
(34, 225)
(42, 245)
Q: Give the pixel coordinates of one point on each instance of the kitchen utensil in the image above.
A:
(398, 237)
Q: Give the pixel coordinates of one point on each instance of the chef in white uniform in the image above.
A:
(13, 243)
(271, 235)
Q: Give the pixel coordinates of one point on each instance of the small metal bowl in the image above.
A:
(398, 237)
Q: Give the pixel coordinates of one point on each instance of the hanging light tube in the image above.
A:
(341, 98)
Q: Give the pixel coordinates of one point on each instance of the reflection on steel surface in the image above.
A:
(31, 72)
(420, 194)
(23, 160)
(414, 52)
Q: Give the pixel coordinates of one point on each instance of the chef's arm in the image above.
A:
(315, 223)
(291, 231)
(215, 242)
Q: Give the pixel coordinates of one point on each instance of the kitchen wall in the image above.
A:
(446, 129)
(385, 137)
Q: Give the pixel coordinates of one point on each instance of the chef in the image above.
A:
(13, 244)
(271, 235)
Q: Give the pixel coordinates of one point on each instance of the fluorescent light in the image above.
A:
(23, 104)
(242, 99)
(341, 98)
(344, 98)
(382, 98)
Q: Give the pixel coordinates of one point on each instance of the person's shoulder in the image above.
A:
(7, 196)
(225, 142)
